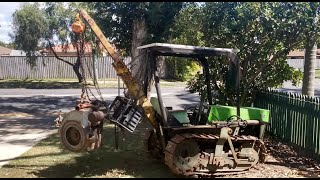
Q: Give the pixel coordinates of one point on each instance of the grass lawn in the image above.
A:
(48, 160)
(70, 83)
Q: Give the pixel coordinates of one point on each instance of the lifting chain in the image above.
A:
(81, 57)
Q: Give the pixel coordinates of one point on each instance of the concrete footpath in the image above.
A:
(18, 139)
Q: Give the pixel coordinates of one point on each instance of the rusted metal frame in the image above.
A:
(214, 126)
(158, 90)
(235, 59)
(233, 151)
(162, 140)
(236, 131)
(224, 135)
(160, 101)
(205, 65)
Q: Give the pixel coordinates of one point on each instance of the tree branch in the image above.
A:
(249, 57)
(55, 54)
(245, 64)
(271, 61)
(243, 97)
(224, 92)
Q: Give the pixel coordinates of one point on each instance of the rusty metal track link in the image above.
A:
(173, 142)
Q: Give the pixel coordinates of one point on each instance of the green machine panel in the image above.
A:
(180, 115)
(222, 113)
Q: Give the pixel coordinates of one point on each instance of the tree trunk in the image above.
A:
(139, 61)
(309, 65)
(76, 69)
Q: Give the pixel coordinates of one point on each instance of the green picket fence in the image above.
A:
(295, 118)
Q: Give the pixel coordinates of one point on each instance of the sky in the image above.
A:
(6, 11)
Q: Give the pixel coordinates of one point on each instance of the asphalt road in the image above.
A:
(288, 87)
(177, 97)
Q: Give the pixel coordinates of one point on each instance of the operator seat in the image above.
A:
(175, 117)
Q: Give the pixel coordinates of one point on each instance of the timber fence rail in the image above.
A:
(48, 67)
(295, 118)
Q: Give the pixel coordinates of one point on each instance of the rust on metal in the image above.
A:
(171, 146)
(233, 151)
(210, 158)
(187, 135)
(177, 138)
(203, 136)
(82, 106)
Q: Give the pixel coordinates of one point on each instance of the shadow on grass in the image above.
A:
(131, 160)
(22, 116)
(173, 80)
(49, 160)
(36, 105)
(39, 84)
(56, 84)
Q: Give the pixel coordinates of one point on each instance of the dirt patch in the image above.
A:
(283, 161)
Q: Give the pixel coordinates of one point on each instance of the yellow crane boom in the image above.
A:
(134, 89)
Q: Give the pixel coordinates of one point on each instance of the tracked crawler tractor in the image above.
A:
(209, 139)
(202, 141)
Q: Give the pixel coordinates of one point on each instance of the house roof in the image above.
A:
(5, 51)
(299, 53)
(70, 48)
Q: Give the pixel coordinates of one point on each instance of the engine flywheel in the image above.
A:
(74, 136)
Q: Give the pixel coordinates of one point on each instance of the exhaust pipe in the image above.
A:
(96, 117)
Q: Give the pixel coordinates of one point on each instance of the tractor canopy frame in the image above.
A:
(198, 53)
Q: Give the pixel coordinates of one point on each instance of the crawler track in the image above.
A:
(199, 159)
